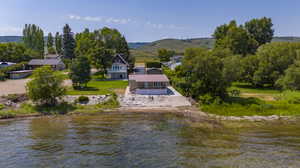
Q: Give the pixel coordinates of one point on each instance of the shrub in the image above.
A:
(83, 99)
(2, 76)
(110, 103)
(7, 114)
(1, 106)
(206, 99)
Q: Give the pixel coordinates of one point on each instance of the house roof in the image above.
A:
(51, 56)
(122, 59)
(44, 62)
(149, 78)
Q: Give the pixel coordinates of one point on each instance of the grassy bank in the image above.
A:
(257, 101)
(60, 109)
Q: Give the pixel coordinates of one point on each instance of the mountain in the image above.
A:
(148, 51)
(135, 45)
(5, 39)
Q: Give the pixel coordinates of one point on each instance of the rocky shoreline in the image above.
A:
(190, 112)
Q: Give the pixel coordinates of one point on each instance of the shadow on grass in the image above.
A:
(62, 108)
(249, 86)
(243, 101)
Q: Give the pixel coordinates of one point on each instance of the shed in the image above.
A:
(56, 64)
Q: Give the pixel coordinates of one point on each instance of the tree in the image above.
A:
(274, 59)
(85, 41)
(46, 86)
(261, 30)
(33, 38)
(50, 42)
(235, 38)
(68, 43)
(58, 43)
(101, 58)
(164, 55)
(204, 73)
(249, 65)
(291, 79)
(123, 48)
(80, 71)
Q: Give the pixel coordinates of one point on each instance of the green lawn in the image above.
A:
(248, 88)
(95, 87)
(257, 101)
(253, 106)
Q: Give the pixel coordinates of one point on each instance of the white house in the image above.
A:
(119, 68)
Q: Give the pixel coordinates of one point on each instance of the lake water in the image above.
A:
(132, 140)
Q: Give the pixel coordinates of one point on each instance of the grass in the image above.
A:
(283, 103)
(248, 88)
(253, 107)
(111, 103)
(95, 87)
(63, 108)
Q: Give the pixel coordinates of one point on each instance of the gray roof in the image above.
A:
(149, 78)
(45, 62)
(51, 56)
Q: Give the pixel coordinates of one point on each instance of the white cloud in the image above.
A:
(10, 30)
(163, 26)
(110, 20)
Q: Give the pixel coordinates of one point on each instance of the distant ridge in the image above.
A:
(148, 51)
(6, 39)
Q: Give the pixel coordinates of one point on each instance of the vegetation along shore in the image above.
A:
(243, 72)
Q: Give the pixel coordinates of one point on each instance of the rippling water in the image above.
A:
(146, 141)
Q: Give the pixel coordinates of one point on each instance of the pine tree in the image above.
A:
(80, 71)
(68, 43)
(58, 43)
(50, 41)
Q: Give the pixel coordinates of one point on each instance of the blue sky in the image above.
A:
(147, 20)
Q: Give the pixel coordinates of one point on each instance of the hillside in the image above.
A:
(148, 51)
(5, 39)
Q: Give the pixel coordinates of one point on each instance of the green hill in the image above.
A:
(148, 51)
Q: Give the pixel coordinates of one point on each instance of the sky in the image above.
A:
(147, 20)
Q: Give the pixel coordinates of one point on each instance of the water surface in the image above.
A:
(144, 140)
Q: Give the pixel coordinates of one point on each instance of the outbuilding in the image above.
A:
(19, 74)
(56, 64)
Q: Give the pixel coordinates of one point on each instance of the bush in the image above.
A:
(1, 106)
(7, 114)
(110, 103)
(206, 99)
(83, 99)
(2, 76)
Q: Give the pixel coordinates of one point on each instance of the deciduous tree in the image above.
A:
(46, 86)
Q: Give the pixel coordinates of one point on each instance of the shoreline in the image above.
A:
(190, 112)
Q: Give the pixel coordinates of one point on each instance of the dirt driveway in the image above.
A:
(18, 86)
(13, 86)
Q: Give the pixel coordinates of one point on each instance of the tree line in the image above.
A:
(241, 53)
